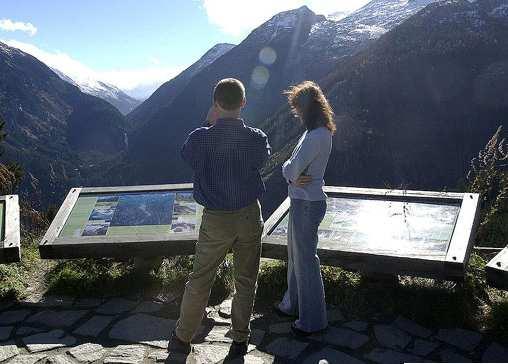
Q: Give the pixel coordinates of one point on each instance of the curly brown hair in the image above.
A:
(308, 101)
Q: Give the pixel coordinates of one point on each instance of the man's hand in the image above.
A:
(303, 181)
(213, 115)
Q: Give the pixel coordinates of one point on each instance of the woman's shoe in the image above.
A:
(281, 313)
(300, 333)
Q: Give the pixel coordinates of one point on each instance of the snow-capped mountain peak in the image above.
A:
(112, 94)
(289, 19)
(213, 54)
(338, 15)
(367, 23)
(166, 93)
(8, 51)
(286, 22)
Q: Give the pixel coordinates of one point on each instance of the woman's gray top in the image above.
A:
(309, 157)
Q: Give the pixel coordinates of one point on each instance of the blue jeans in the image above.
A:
(305, 295)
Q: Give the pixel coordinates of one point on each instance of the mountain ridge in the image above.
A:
(53, 129)
(162, 134)
(414, 107)
(103, 90)
(282, 51)
(165, 93)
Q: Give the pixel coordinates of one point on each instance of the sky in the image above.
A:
(137, 45)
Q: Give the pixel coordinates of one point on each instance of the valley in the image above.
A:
(416, 87)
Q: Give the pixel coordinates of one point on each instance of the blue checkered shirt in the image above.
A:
(226, 159)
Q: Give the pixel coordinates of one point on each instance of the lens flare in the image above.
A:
(260, 77)
(268, 56)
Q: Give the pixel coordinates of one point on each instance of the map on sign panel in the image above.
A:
(133, 213)
(384, 227)
(2, 222)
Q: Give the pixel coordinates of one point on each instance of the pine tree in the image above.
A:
(10, 173)
(489, 177)
(2, 133)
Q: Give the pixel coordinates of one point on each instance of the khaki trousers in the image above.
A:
(221, 231)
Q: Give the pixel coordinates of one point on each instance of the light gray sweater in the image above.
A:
(309, 157)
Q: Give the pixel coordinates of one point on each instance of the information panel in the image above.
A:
(390, 231)
(497, 270)
(387, 227)
(2, 217)
(124, 221)
(9, 229)
(133, 213)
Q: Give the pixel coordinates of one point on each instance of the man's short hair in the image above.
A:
(229, 93)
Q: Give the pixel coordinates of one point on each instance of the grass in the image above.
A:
(470, 304)
(98, 277)
(89, 277)
(498, 319)
(435, 304)
(15, 278)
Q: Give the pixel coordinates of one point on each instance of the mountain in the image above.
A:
(338, 15)
(266, 61)
(313, 54)
(112, 94)
(292, 46)
(336, 37)
(414, 107)
(54, 131)
(165, 94)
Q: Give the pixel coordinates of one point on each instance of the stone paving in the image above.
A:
(122, 330)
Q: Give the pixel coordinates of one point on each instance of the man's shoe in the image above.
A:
(237, 349)
(178, 346)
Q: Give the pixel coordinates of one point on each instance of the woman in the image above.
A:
(304, 173)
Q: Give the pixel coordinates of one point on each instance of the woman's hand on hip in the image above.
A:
(303, 180)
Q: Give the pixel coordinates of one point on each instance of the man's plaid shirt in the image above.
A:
(226, 159)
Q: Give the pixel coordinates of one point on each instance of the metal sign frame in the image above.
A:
(10, 250)
(451, 267)
(143, 245)
(497, 270)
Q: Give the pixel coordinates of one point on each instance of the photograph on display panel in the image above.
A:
(154, 208)
(186, 213)
(133, 213)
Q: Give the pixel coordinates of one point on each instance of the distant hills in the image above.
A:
(292, 46)
(333, 38)
(416, 106)
(153, 153)
(54, 131)
(418, 87)
(110, 93)
(166, 93)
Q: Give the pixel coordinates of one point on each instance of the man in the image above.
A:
(225, 157)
